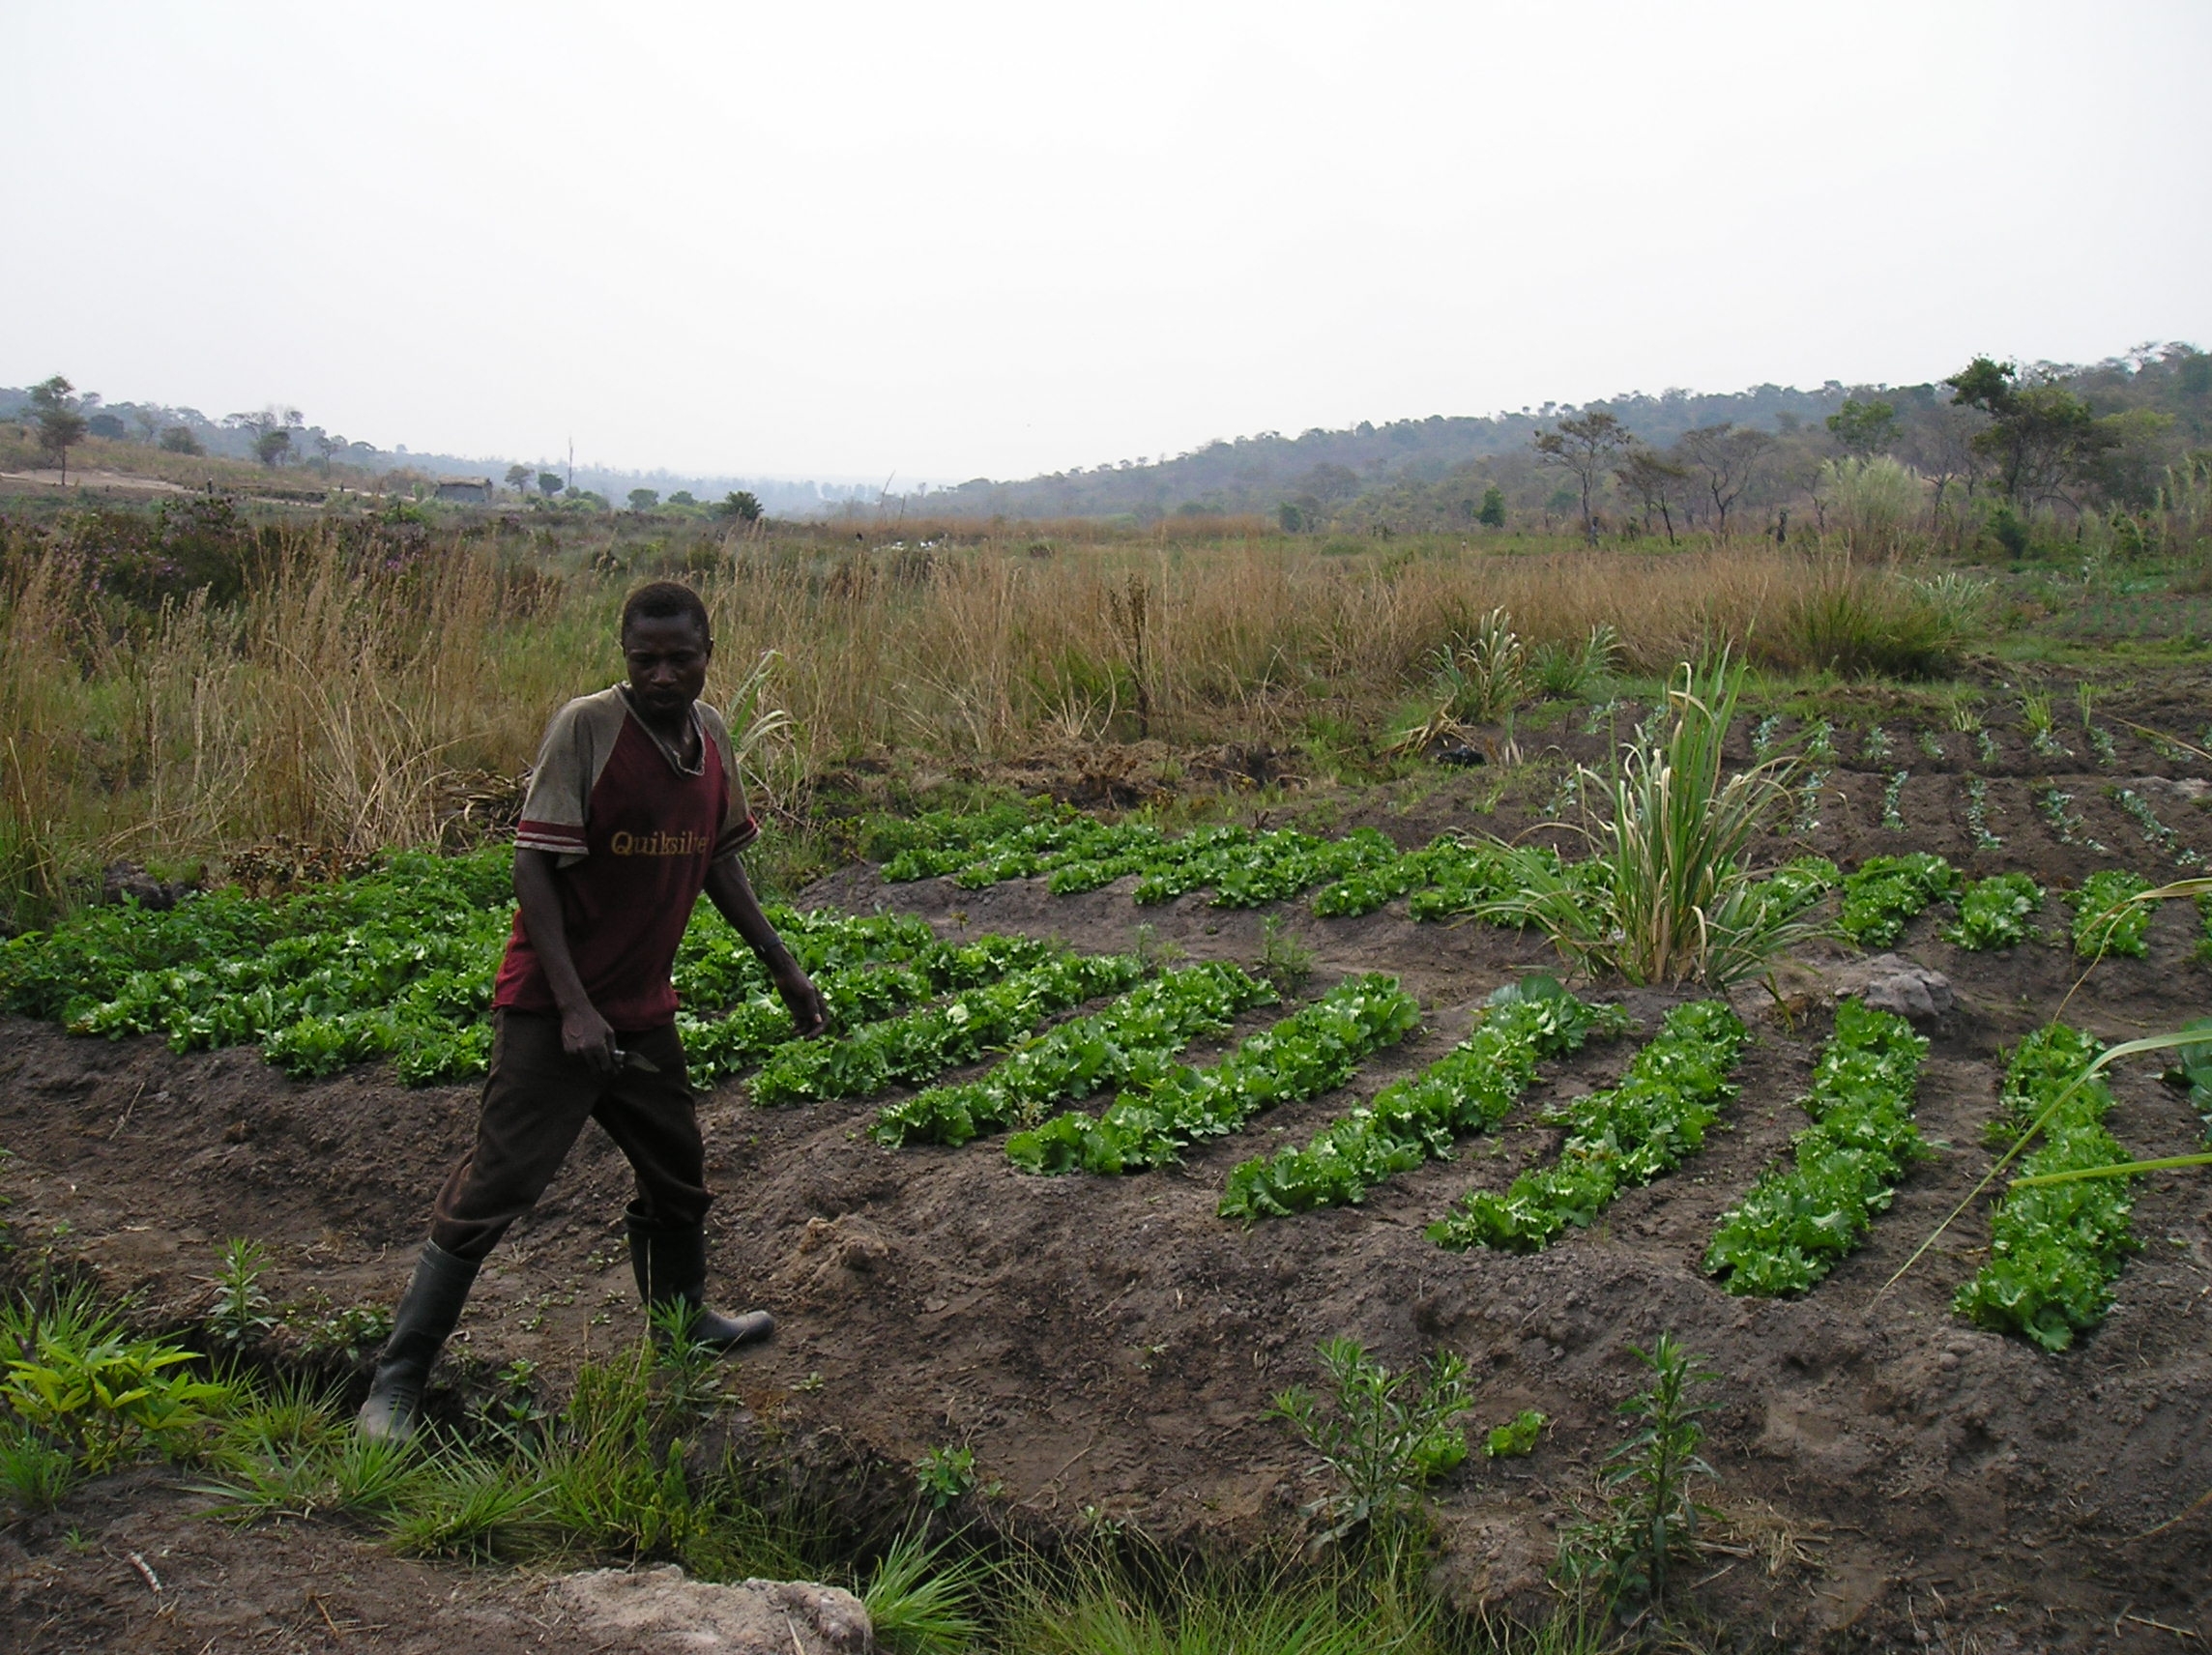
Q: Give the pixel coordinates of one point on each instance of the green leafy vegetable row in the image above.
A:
(1409, 1122)
(857, 994)
(1616, 1139)
(1887, 893)
(917, 1048)
(1798, 1223)
(1314, 1049)
(2106, 922)
(2055, 1251)
(1131, 1040)
(1995, 913)
(400, 964)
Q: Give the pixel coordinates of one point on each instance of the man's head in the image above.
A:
(666, 643)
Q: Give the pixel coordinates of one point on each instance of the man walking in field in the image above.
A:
(634, 808)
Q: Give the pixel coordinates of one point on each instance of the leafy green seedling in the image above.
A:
(946, 1473)
(1517, 1437)
(241, 1312)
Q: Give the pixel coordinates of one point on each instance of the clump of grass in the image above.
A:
(1858, 621)
(922, 1602)
(1668, 896)
(1486, 674)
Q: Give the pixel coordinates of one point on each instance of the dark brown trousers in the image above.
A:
(538, 1098)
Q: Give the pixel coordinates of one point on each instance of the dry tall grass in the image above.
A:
(348, 707)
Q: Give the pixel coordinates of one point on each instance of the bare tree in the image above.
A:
(1656, 481)
(1725, 458)
(1584, 444)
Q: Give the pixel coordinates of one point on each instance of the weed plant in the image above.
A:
(1648, 1487)
(241, 1313)
(1381, 1437)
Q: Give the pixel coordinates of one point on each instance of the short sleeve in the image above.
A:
(553, 809)
(738, 829)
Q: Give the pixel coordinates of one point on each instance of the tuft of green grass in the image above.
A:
(921, 1603)
(1668, 896)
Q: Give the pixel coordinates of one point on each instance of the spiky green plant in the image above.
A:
(1670, 896)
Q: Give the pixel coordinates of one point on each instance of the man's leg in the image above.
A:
(652, 1118)
(536, 1100)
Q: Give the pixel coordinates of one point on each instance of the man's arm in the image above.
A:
(584, 1033)
(729, 891)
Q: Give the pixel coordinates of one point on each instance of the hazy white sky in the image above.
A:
(964, 238)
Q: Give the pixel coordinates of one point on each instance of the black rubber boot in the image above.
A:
(671, 1269)
(419, 1327)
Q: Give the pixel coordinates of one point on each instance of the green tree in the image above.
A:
(519, 479)
(2041, 435)
(1493, 512)
(742, 505)
(269, 432)
(178, 440)
(644, 499)
(549, 484)
(1864, 428)
(1583, 444)
(59, 415)
(681, 497)
(330, 445)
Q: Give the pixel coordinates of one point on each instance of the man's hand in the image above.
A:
(731, 893)
(589, 1037)
(810, 1011)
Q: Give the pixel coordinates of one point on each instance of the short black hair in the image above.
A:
(664, 599)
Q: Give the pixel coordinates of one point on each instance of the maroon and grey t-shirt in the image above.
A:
(635, 832)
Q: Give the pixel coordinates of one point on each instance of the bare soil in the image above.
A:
(1894, 1477)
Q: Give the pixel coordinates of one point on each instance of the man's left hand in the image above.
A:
(810, 1011)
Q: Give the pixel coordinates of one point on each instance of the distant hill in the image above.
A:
(146, 421)
(1258, 473)
(1426, 472)
(1406, 472)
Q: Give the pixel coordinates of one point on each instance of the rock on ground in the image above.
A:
(659, 1611)
(1891, 982)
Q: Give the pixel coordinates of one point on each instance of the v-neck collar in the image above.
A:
(671, 754)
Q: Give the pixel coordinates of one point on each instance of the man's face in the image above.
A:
(667, 656)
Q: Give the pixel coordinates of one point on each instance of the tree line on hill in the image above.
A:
(278, 437)
(2038, 436)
